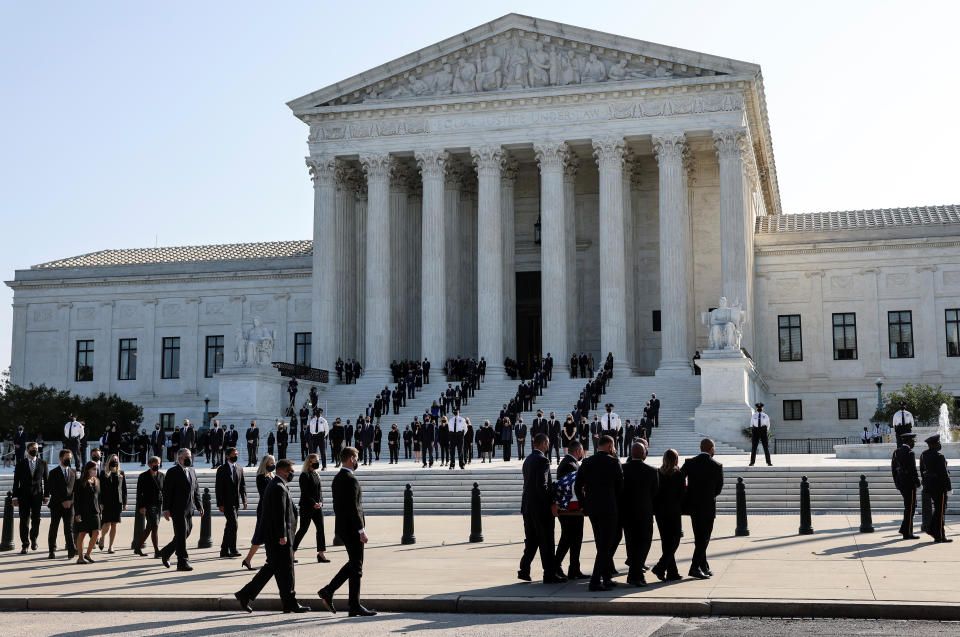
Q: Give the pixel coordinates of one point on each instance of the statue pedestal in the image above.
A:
(729, 387)
(251, 393)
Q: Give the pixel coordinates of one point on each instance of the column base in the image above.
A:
(674, 368)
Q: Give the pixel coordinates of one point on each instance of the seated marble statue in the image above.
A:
(726, 326)
(256, 345)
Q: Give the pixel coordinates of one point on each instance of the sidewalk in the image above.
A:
(835, 572)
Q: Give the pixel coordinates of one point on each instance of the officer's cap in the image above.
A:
(932, 440)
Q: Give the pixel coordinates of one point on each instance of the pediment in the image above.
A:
(518, 53)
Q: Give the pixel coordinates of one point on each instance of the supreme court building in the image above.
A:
(521, 188)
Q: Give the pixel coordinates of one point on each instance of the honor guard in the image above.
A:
(760, 430)
(904, 467)
(936, 484)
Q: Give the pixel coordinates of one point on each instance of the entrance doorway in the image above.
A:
(528, 320)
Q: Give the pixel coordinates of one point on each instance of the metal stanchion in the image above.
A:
(742, 529)
(866, 517)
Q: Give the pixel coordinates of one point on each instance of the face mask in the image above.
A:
(96, 458)
(315, 465)
(113, 465)
(154, 468)
(187, 462)
(66, 462)
(32, 452)
(271, 468)
(233, 459)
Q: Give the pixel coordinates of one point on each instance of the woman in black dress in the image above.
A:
(268, 464)
(666, 508)
(311, 505)
(113, 500)
(485, 440)
(270, 442)
(417, 437)
(282, 441)
(468, 441)
(149, 504)
(86, 501)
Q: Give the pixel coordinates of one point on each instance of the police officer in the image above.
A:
(936, 484)
(760, 427)
(902, 422)
(904, 467)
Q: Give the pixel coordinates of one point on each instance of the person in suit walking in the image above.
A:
(278, 524)
(231, 491)
(265, 473)
(351, 527)
(599, 486)
(640, 485)
(19, 443)
(61, 484)
(904, 467)
(704, 483)
(113, 499)
(653, 411)
(667, 510)
(536, 508)
(149, 504)
(571, 526)
(311, 506)
(30, 491)
(181, 499)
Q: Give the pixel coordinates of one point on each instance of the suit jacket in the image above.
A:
(279, 515)
(150, 490)
(704, 483)
(569, 464)
(640, 485)
(189, 437)
(158, 438)
(180, 495)
(347, 504)
(599, 485)
(521, 431)
(253, 435)
(20, 439)
(537, 484)
(60, 485)
(230, 437)
(311, 491)
(654, 407)
(230, 492)
(216, 437)
(27, 484)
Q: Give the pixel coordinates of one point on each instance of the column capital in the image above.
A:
(322, 169)
(345, 176)
(453, 175)
(731, 143)
(488, 160)
(432, 163)
(377, 165)
(551, 155)
(360, 187)
(511, 167)
(609, 152)
(670, 147)
(570, 168)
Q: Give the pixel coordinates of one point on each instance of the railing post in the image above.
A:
(742, 529)
(205, 521)
(866, 517)
(7, 537)
(476, 530)
(408, 536)
(806, 527)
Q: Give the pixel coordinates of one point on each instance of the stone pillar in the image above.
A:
(18, 358)
(552, 158)
(399, 266)
(67, 344)
(468, 264)
(433, 299)
(629, 262)
(360, 250)
(147, 349)
(570, 252)
(451, 242)
(346, 270)
(640, 303)
(508, 184)
(191, 359)
(817, 337)
(377, 293)
(609, 153)
(104, 374)
(324, 348)
(414, 274)
(489, 162)
(675, 270)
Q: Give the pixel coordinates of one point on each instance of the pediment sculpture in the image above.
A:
(725, 325)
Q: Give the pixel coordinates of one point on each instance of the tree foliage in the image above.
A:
(923, 401)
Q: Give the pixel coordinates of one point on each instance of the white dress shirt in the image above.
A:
(458, 424)
(318, 425)
(759, 420)
(903, 417)
(610, 422)
(73, 430)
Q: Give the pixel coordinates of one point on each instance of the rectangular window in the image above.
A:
(301, 348)
(845, 336)
(953, 333)
(793, 410)
(847, 409)
(656, 320)
(170, 361)
(127, 364)
(84, 366)
(791, 348)
(900, 325)
(214, 358)
(166, 421)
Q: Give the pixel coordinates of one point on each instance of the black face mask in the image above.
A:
(271, 468)
(95, 458)
(233, 458)
(32, 452)
(154, 468)
(113, 465)
(187, 462)
(66, 462)
(315, 465)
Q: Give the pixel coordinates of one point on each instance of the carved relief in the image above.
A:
(897, 280)
(213, 309)
(259, 306)
(841, 283)
(170, 310)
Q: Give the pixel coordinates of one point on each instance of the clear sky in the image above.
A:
(134, 124)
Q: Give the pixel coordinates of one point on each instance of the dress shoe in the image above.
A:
(51, 555)
(224, 554)
(326, 598)
(23, 551)
(139, 551)
(71, 555)
(660, 572)
(184, 566)
(100, 545)
(576, 575)
(234, 553)
(299, 608)
(555, 579)
(610, 583)
(360, 611)
(524, 575)
(246, 565)
(156, 555)
(674, 577)
(88, 559)
(707, 572)
(943, 539)
(698, 574)
(750, 465)
(165, 560)
(640, 581)
(111, 551)
(80, 560)
(244, 602)
(322, 559)
(596, 588)
(614, 573)
(33, 545)
(911, 537)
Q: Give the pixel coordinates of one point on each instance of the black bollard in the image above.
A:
(926, 508)
(7, 542)
(205, 521)
(866, 517)
(476, 528)
(408, 536)
(742, 529)
(806, 528)
(138, 524)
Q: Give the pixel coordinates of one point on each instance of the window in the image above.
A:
(900, 325)
(301, 348)
(84, 367)
(656, 320)
(127, 365)
(845, 337)
(214, 359)
(847, 408)
(166, 421)
(793, 410)
(953, 332)
(170, 363)
(791, 348)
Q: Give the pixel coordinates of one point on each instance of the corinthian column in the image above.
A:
(489, 162)
(552, 157)
(735, 222)
(324, 278)
(399, 265)
(675, 270)
(378, 309)
(346, 289)
(508, 182)
(360, 247)
(609, 153)
(453, 177)
(433, 305)
(570, 250)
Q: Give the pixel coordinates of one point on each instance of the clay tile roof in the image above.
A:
(181, 254)
(858, 219)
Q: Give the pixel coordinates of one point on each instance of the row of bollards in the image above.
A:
(476, 524)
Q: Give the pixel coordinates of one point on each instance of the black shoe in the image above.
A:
(674, 577)
(911, 537)
(698, 574)
(326, 598)
(750, 465)
(707, 572)
(299, 608)
(640, 581)
(660, 572)
(610, 583)
(244, 602)
(139, 551)
(576, 575)
(246, 564)
(943, 539)
(71, 555)
(51, 555)
(596, 588)
(156, 555)
(322, 559)
(613, 573)
(524, 575)
(33, 545)
(184, 566)
(234, 553)
(165, 560)
(360, 611)
(224, 554)
(555, 579)
(88, 559)
(23, 551)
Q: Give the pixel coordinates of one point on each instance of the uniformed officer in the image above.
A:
(902, 422)
(904, 467)
(936, 484)
(760, 428)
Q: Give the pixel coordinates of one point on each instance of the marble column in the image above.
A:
(637, 303)
(399, 265)
(489, 163)
(282, 349)
(451, 240)
(323, 324)
(414, 274)
(433, 302)
(67, 345)
(508, 183)
(555, 297)
(346, 269)
(818, 336)
(570, 252)
(676, 275)
(468, 263)
(609, 153)
(360, 252)
(378, 298)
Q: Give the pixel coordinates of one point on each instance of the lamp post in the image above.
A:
(206, 410)
(879, 395)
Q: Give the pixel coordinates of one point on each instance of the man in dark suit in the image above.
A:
(60, 484)
(216, 444)
(653, 411)
(428, 435)
(231, 437)
(904, 467)
(149, 504)
(571, 526)
(599, 486)
(19, 443)
(181, 499)
(278, 526)
(29, 494)
(253, 442)
(555, 443)
(520, 431)
(704, 483)
(350, 526)
(231, 493)
(536, 508)
(640, 484)
(158, 440)
(188, 438)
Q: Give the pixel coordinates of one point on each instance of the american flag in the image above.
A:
(564, 497)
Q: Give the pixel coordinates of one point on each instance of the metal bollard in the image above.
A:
(7, 539)
(408, 536)
(742, 529)
(926, 511)
(138, 524)
(806, 528)
(866, 517)
(476, 529)
(205, 521)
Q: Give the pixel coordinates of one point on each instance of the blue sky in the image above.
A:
(129, 124)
